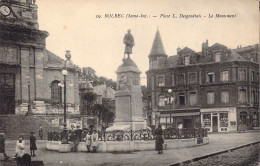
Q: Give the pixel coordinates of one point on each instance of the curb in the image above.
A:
(214, 154)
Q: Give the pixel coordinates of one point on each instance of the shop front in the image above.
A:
(219, 119)
(180, 120)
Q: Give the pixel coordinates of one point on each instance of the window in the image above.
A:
(161, 81)
(257, 77)
(207, 120)
(224, 97)
(193, 98)
(186, 59)
(242, 75)
(210, 77)
(162, 119)
(182, 99)
(252, 76)
(242, 95)
(55, 92)
(217, 57)
(224, 76)
(254, 97)
(161, 101)
(255, 119)
(210, 98)
(223, 118)
(181, 79)
(192, 78)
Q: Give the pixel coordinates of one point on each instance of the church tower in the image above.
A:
(157, 56)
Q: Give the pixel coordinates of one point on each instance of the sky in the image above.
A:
(98, 42)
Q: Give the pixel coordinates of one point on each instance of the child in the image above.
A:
(2, 146)
(33, 146)
(94, 141)
(88, 140)
(19, 150)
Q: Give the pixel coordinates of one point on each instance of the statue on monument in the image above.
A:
(129, 43)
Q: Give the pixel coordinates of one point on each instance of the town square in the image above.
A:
(129, 83)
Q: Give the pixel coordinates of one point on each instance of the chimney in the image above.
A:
(205, 48)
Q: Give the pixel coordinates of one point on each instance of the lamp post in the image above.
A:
(171, 100)
(64, 72)
(29, 97)
(61, 86)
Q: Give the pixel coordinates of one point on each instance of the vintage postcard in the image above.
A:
(142, 82)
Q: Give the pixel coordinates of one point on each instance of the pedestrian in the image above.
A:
(41, 132)
(94, 141)
(159, 139)
(33, 146)
(88, 140)
(2, 146)
(19, 150)
(76, 137)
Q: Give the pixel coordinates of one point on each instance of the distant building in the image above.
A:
(217, 88)
(104, 92)
(27, 69)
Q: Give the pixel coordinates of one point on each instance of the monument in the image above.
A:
(128, 96)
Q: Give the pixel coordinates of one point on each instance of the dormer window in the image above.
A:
(217, 56)
(187, 60)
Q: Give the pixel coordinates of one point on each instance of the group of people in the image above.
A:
(20, 156)
(91, 139)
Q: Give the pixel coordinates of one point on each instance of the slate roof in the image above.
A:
(157, 48)
(172, 61)
(52, 59)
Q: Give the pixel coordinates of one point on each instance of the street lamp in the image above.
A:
(171, 99)
(61, 86)
(64, 72)
(29, 98)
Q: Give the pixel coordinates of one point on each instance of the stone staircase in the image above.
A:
(15, 125)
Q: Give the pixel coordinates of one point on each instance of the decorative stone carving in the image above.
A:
(123, 83)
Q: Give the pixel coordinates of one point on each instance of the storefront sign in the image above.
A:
(218, 109)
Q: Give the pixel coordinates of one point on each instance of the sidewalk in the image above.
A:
(218, 142)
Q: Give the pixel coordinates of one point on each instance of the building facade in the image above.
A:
(29, 73)
(217, 88)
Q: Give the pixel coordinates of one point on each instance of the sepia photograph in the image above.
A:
(129, 83)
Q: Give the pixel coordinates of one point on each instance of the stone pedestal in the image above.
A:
(128, 98)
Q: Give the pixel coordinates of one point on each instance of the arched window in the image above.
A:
(55, 92)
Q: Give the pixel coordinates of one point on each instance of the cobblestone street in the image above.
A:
(218, 142)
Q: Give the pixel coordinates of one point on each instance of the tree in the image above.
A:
(88, 74)
(88, 99)
(144, 92)
(105, 112)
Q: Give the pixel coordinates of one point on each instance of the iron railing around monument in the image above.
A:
(142, 135)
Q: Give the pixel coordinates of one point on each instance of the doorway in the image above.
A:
(7, 93)
(215, 123)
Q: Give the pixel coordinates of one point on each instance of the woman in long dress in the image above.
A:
(33, 146)
(19, 150)
(94, 141)
(159, 139)
(88, 140)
